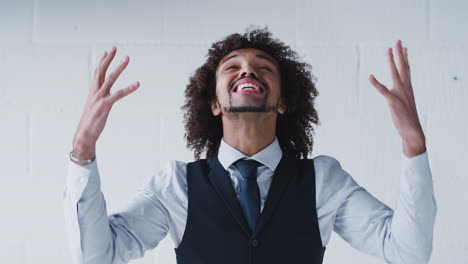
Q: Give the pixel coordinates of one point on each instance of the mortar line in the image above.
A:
(28, 145)
(356, 83)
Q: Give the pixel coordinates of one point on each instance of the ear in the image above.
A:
(282, 107)
(215, 107)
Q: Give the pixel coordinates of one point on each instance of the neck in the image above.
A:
(249, 132)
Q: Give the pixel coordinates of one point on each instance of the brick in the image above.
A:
(363, 20)
(15, 164)
(16, 21)
(448, 20)
(89, 21)
(172, 138)
(128, 152)
(163, 72)
(11, 251)
(43, 251)
(39, 77)
(198, 22)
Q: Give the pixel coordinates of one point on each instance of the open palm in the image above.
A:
(401, 101)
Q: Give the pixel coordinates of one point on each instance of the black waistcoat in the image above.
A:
(217, 232)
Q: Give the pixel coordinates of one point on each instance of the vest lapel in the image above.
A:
(220, 179)
(285, 171)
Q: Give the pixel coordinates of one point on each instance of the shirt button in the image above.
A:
(254, 243)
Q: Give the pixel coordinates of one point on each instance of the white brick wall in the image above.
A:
(48, 50)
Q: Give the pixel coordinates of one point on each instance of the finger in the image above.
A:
(95, 76)
(380, 87)
(104, 65)
(403, 68)
(110, 80)
(405, 52)
(104, 55)
(410, 87)
(393, 68)
(405, 56)
(123, 92)
(404, 74)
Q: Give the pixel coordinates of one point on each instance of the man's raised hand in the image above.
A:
(402, 103)
(98, 105)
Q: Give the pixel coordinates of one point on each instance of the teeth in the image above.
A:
(249, 86)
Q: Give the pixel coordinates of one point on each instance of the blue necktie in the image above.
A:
(249, 194)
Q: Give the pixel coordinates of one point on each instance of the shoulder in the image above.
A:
(168, 180)
(326, 162)
(332, 180)
(328, 166)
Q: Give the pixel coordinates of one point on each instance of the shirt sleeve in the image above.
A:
(96, 237)
(402, 235)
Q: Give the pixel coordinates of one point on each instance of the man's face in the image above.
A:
(247, 80)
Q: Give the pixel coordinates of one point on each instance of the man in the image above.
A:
(255, 198)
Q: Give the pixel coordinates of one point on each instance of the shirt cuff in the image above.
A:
(419, 161)
(416, 171)
(81, 178)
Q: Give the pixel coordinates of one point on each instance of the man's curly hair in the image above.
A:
(294, 129)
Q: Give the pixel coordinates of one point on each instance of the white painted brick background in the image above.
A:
(49, 48)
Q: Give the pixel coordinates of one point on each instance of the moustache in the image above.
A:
(231, 86)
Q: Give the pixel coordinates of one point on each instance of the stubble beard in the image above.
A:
(263, 108)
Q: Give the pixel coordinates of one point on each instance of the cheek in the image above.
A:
(222, 93)
(222, 84)
(275, 86)
(272, 80)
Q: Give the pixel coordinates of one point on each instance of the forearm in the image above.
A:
(95, 236)
(414, 146)
(86, 216)
(403, 235)
(414, 217)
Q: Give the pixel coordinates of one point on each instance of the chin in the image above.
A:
(251, 109)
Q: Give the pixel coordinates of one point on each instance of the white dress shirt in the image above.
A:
(402, 235)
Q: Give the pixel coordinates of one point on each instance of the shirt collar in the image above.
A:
(270, 156)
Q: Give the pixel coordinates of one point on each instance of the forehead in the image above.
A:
(248, 52)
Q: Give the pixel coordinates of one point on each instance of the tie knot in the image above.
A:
(247, 168)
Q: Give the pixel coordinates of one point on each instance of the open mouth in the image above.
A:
(248, 86)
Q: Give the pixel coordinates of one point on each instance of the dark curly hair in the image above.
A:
(293, 128)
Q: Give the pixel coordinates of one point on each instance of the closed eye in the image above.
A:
(230, 67)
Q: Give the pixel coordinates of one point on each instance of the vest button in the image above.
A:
(254, 243)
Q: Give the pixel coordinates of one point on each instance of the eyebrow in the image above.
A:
(256, 55)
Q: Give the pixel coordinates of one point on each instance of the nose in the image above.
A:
(248, 71)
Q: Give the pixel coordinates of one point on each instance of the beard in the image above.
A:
(252, 109)
(262, 108)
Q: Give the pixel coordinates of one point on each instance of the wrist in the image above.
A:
(83, 150)
(81, 162)
(413, 148)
